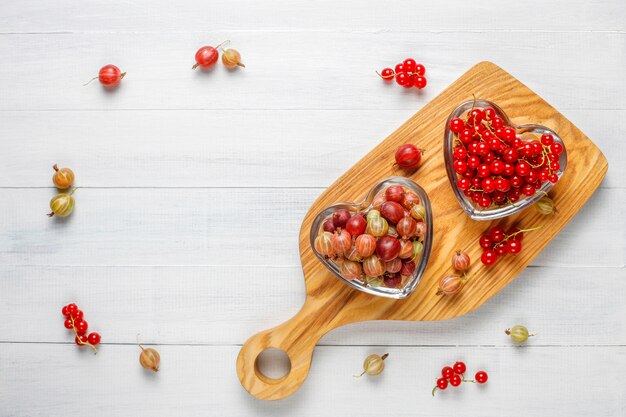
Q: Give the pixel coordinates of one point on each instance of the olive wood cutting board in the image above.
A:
(330, 303)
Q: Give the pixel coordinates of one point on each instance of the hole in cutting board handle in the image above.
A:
(272, 365)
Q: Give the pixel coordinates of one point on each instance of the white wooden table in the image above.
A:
(194, 186)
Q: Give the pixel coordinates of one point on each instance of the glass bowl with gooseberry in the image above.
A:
(380, 245)
(497, 168)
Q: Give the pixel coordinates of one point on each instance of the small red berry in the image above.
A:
(460, 367)
(400, 68)
(481, 377)
(65, 312)
(556, 148)
(455, 381)
(110, 75)
(485, 241)
(489, 257)
(442, 383)
(94, 338)
(420, 82)
(497, 234)
(401, 78)
(547, 139)
(514, 247)
(447, 372)
(420, 69)
(409, 65)
(80, 340)
(68, 323)
(72, 308)
(387, 74)
(81, 326)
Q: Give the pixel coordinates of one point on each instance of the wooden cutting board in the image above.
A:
(330, 303)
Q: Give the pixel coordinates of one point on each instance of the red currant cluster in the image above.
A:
(496, 166)
(454, 376)
(407, 74)
(497, 243)
(74, 321)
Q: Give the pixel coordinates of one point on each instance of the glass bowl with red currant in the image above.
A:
(496, 167)
(380, 245)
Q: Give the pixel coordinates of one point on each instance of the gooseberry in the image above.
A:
(407, 268)
(373, 266)
(460, 261)
(207, 56)
(232, 59)
(392, 280)
(62, 205)
(408, 156)
(409, 200)
(377, 227)
(356, 225)
(63, 178)
(388, 248)
(406, 227)
(418, 212)
(341, 217)
(342, 242)
(395, 193)
(350, 269)
(365, 245)
(324, 244)
(110, 76)
(406, 249)
(392, 211)
(450, 285)
(393, 266)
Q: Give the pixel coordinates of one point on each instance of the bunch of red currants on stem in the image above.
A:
(494, 165)
(407, 74)
(453, 375)
(74, 321)
(497, 243)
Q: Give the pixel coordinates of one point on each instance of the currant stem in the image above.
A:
(80, 342)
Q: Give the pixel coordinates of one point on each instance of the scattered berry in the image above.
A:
(518, 333)
(497, 243)
(481, 377)
(74, 321)
(454, 376)
(408, 156)
(407, 74)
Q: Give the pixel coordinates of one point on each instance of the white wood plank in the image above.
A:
(296, 148)
(297, 15)
(58, 380)
(301, 70)
(222, 305)
(223, 226)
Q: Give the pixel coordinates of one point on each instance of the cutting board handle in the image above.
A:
(297, 337)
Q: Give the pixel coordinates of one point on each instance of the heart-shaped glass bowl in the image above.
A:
(363, 284)
(523, 131)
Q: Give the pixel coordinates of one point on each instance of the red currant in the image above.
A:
(522, 168)
(456, 125)
(497, 234)
(399, 69)
(483, 170)
(94, 338)
(466, 136)
(80, 340)
(509, 169)
(497, 122)
(489, 113)
(65, 312)
(78, 315)
(488, 257)
(514, 247)
(68, 323)
(409, 65)
(420, 69)
(497, 167)
(442, 383)
(401, 78)
(460, 166)
(556, 148)
(420, 82)
(553, 178)
(547, 139)
(485, 242)
(484, 201)
(455, 381)
(500, 250)
(460, 153)
(508, 134)
(474, 116)
(488, 185)
(459, 367)
(447, 372)
(464, 184)
(387, 74)
(528, 190)
(481, 377)
(81, 326)
(72, 308)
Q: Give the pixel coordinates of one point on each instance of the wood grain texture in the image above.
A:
(330, 304)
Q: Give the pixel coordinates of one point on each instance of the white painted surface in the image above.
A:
(195, 184)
